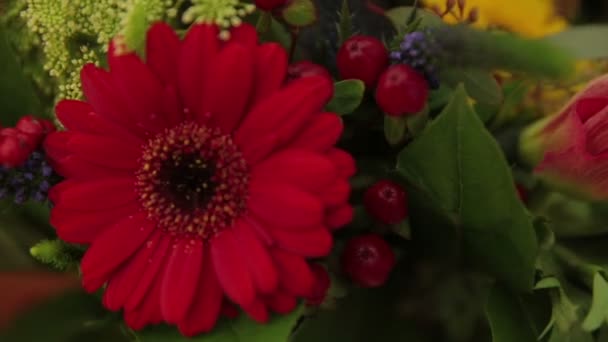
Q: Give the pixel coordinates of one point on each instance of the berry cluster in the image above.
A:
(420, 51)
(400, 88)
(24, 171)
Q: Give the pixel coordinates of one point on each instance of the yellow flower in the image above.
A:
(530, 18)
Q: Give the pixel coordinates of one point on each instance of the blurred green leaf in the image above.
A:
(480, 84)
(598, 314)
(395, 128)
(348, 95)
(345, 24)
(462, 169)
(586, 41)
(241, 329)
(17, 94)
(300, 13)
(400, 15)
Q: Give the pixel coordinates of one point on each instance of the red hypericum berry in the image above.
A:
(305, 69)
(386, 201)
(322, 284)
(269, 5)
(15, 147)
(402, 90)
(522, 192)
(368, 260)
(37, 128)
(362, 57)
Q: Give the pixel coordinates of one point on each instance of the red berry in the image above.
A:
(37, 128)
(269, 5)
(386, 201)
(305, 69)
(368, 260)
(322, 284)
(363, 58)
(15, 147)
(402, 90)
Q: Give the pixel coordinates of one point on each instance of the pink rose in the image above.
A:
(570, 149)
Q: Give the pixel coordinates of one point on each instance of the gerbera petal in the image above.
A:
(270, 69)
(257, 311)
(148, 312)
(162, 51)
(56, 145)
(259, 149)
(231, 269)
(305, 169)
(123, 282)
(73, 114)
(255, 255)
(74, 167)
(244, 34)
(294, 273)
(336, 194)
(339, 217)
(151, 276)
(228, 87)
(96, 194)
(207, 303)
(312, 243)
(282, 303)
(344, 161)
(181, 279)
(199, 49)
(321, 133)
(171, 106)
(112, 247)
(284, 205)
(83, 227)
(104, 151)
(286, 110)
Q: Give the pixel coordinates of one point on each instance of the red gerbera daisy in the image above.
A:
(198, 177)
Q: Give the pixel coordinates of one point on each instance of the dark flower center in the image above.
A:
(192, 180)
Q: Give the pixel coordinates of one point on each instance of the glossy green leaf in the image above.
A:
(395, 128)
(348, 95)
(241, 329)
(300, 13)
(463, 171)
(480, 85)
(586, 42)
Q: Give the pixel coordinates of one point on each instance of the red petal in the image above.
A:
(285, 111)
(257, 311)
(282, 303)
(344, 161)
(321, 133)
(270, 69)
(96, 194)
(151, 276)
(307, 170)
(123, 282)
(74, 167)
(162, 51)
(256, 256)
(283, 205)
(313, 243)
(339, 217)
(112, 247)
(228, 87)
(199, 49)
(148, 312)
(231, 269)
(171, 106)
(56, 145)
(257, 150)
(336, 194)
(244, 34)
(105, 151)
(181, 279)
(205, 309)
(295, 274)
(83, 227)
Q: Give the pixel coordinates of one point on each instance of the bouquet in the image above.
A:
(300, 170)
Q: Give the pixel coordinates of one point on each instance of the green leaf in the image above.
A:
(348, 95)
(514, 95)
(17, 94)
(464, 173)
(512, 318)
(241, 329)
(586, 42)
(598, 314)
(480, 85)
(399, 16)
(345, 25)
(61, 319)
(395, 128)
(300, 13)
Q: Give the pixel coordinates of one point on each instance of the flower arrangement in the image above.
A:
(283, 170)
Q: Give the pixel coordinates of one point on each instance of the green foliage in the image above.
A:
(348, 95)
(480, 85)
(395, 129)
(300, 13)
(462, 171)
(345, 24)
(586, 41)
(399, 18)
(57, 254)
(241, 329)
(598, 314)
